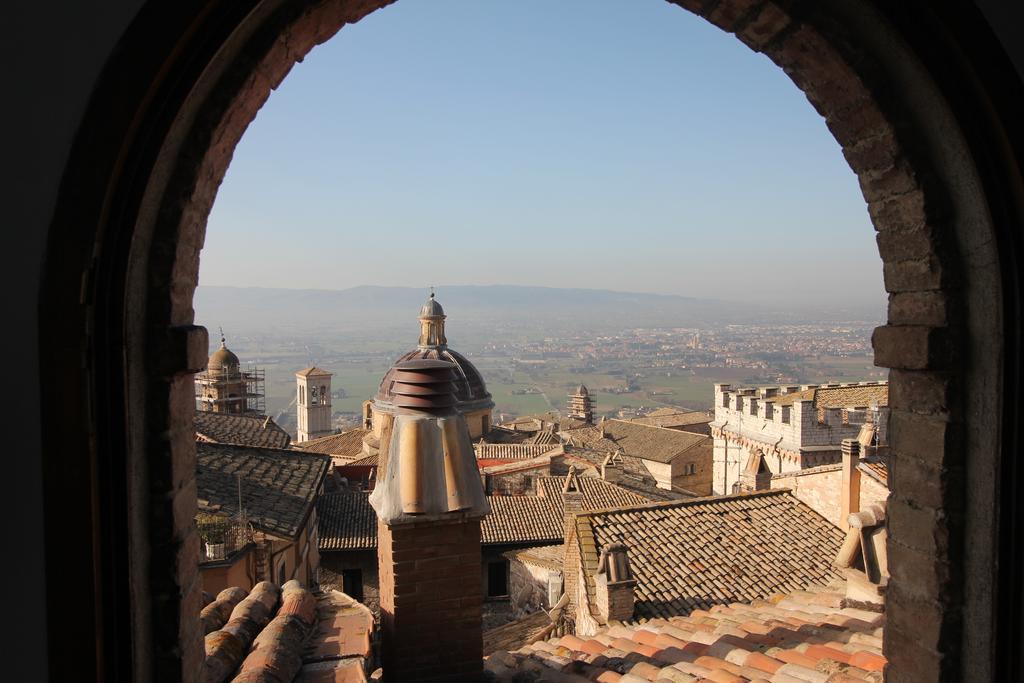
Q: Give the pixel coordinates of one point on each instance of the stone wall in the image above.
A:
(821, 489)
(333, 563)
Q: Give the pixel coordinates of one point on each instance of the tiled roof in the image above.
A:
(693, 554)
(522, 519)
(848, 396)
(278, 487)
(546, 556)
(347, 522)
(597, 493)
(511, 451)
(673, 417)
(366, 461)
(313, 371)
(347, 444)
(876, 469)
(245, 430)
(638, 440)
(800, 637)
(516, 634)
(286, 634)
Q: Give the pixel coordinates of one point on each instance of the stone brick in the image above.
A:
(912, 347)
(913, 275)
(905, 212)
(905, 245)
(893, 181)
(872, 154)
(764, 27)
(909, 662)
(919, 575)
(926, 485)
(933, 440)
(924, 392)
(921, 528)
(729, 15)
(919, 308)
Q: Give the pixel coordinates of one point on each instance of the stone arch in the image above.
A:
(189, 82)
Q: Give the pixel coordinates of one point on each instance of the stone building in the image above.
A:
(313, 403)
(668, 459)
(581, 405)
(793, 427)
(257, 515)
(225, 387)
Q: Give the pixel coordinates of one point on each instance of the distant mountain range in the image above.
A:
(245, 309)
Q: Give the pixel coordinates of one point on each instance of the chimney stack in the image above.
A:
(850, 502)
(429, 501)
(615, 584)
(611, 468)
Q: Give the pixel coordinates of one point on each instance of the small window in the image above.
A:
(753, 406)
(725, 400)
(739, 403)
(352, 583)
(785, 415)
(821, 416)
(690, 468)
(497, 579)
(769, 411)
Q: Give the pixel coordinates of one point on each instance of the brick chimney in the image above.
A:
(756, 476)
(615, 584)
(611, 468)
(429, 502)
(850, 493)
(572, 504)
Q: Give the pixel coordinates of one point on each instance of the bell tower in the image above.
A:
(313, 403)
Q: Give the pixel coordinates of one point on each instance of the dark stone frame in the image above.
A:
(929, 115)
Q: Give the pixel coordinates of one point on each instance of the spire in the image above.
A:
(223, 341)
(432, 324)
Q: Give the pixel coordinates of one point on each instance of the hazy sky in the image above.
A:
(619, 144)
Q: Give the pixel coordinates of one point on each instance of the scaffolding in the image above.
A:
(231, 390)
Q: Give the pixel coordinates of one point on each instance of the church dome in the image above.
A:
(469, 383)
(431, 309)
(222, 360)
(470, 389)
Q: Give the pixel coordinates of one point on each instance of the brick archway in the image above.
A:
(912, 150)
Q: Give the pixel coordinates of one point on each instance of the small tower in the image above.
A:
(313, 403)
(581, 407)
(225, 388)
(432, 325)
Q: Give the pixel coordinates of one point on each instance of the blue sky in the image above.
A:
(618, 144)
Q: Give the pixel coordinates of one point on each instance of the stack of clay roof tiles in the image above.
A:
(285, 634)
(244, 430)
(801, 637)
(693, 554)
(347, 522)
(345, 445)
(517, 633)
(278, 488)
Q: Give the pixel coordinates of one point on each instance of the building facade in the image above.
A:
(793, 427)
(313, 403)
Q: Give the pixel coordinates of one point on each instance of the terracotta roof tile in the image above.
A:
(705, 551)
(710, 645)
(243, 430)
(347, 522)
(347, 444)
(638, 440)
(290, 633)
